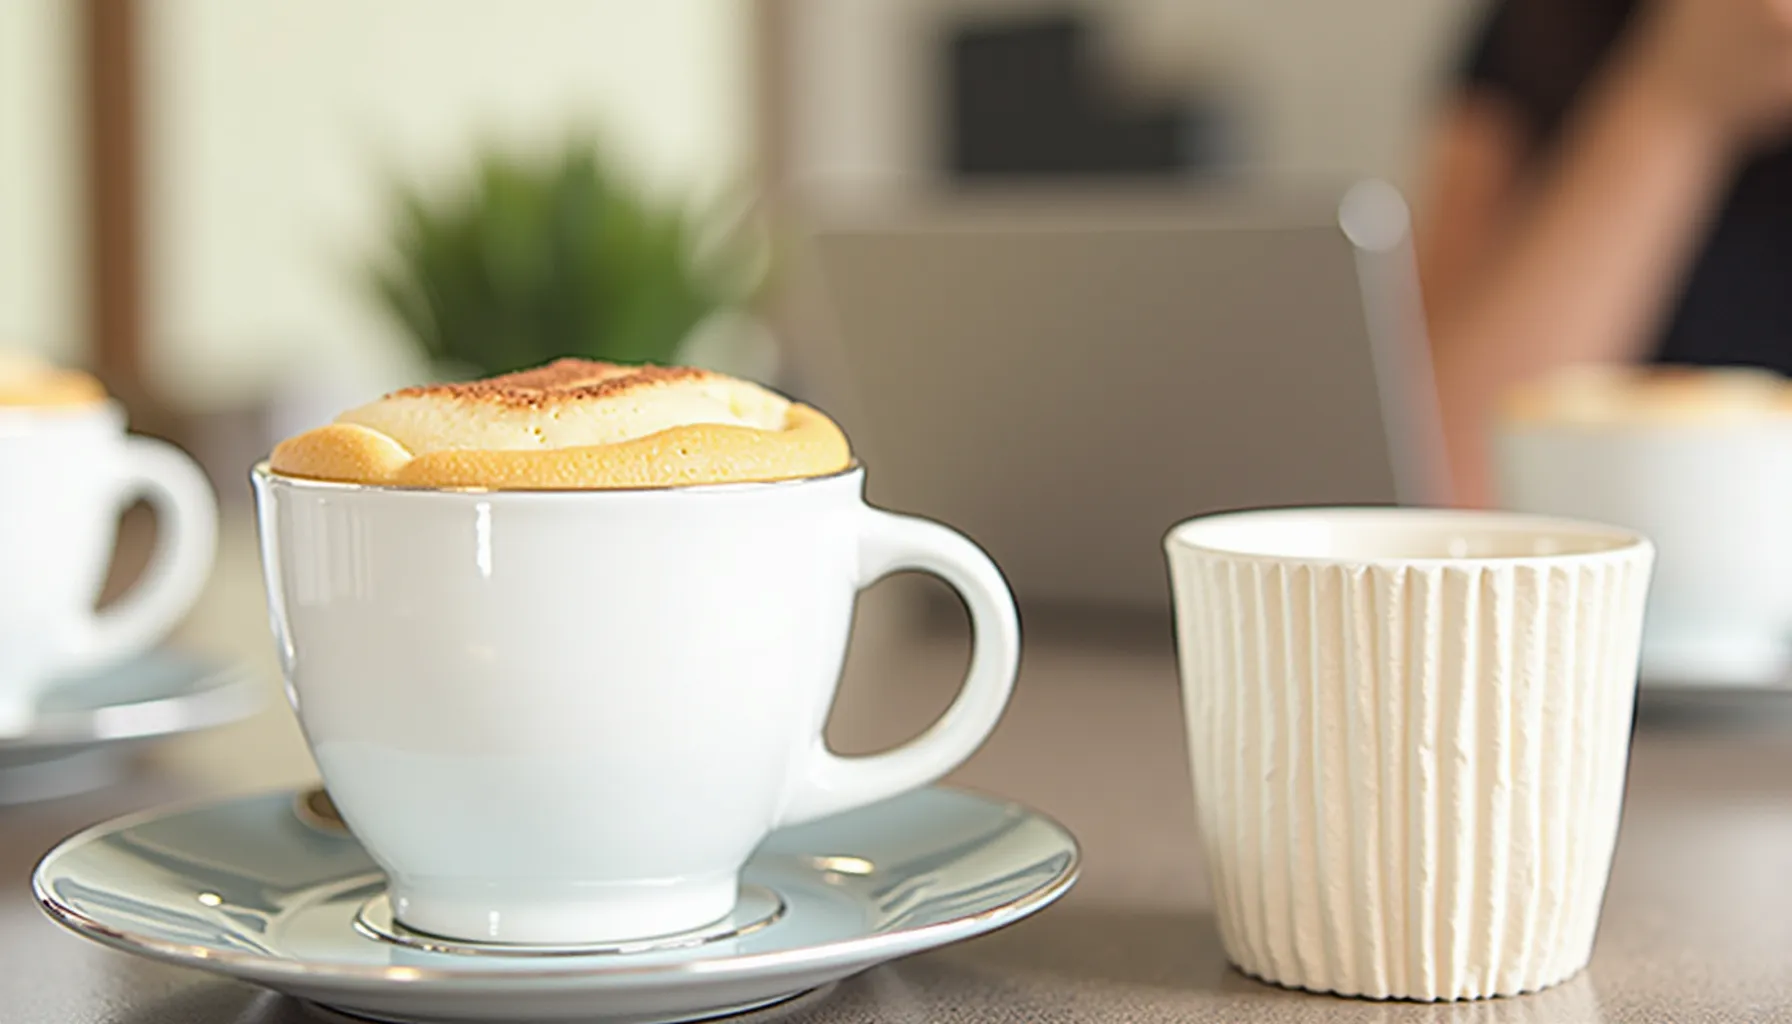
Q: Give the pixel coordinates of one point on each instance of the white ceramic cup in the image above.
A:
(1408, 730)
(1716, 498)
(569, 717)
(67, 473)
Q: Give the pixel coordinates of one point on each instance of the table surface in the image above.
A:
(1697, 924)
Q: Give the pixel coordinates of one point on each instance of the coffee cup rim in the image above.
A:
(264, 472)
(1583, 539)
(1639, 427)
(107, 406)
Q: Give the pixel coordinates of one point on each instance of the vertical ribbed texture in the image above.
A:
(1408, 778)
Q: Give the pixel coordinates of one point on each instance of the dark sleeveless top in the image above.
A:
(1735, 306)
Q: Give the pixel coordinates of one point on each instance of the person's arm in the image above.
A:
(1576, 263)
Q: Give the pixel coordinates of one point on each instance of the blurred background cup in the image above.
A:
(1409, 730)
(1700, 461)
(68, 472)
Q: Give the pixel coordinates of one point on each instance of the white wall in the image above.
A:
(1330, 88)
(40, 182)
(276, 124)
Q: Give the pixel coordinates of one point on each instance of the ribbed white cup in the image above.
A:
(1408, 730)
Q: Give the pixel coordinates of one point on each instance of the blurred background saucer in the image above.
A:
(86, 726)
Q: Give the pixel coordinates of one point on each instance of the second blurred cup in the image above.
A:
(68, 471)
(1701, 462)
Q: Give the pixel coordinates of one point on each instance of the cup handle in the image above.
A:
(187, 519)
(828, 783)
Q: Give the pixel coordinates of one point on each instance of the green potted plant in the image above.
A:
(531, 258)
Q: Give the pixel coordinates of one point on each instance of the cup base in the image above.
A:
(1412, 997)
(756, 909)
(19, 698)
(565, 917)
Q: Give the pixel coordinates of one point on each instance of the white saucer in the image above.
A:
(84, 724)
(262, 889)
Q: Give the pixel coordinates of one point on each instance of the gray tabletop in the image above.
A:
(1697, 924)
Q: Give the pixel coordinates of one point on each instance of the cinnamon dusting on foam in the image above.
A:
(1633, 396)
(26, 380)
(572, 424)
(561, 381)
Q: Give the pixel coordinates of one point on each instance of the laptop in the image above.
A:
(1063, 378)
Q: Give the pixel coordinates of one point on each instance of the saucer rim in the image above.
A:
(228, 696)
(874, 947)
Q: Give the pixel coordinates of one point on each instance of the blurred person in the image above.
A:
(1610, 182)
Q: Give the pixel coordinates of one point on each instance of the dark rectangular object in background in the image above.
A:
(1026, 98)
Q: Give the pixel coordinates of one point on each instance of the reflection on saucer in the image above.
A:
(315, 808)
